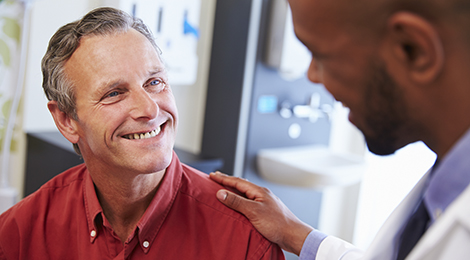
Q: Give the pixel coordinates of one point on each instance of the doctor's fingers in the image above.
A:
(243, 186)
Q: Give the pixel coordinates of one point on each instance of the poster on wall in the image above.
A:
(175, 26)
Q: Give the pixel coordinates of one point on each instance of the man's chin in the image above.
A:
(379, 147)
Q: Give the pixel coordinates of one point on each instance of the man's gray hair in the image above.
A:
(101, 21)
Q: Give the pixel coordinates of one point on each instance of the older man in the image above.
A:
(402, 67)
(132, 198)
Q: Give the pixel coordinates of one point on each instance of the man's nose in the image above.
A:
(144, 105)
(314, 72)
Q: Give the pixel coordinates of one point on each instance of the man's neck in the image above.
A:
(124, 200)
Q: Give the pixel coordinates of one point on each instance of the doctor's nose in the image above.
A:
(314, 72)
(144, 106)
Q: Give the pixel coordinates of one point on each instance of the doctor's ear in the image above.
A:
(64, 122)
(415, 46)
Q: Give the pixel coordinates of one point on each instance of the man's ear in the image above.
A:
(65, 124)
(415, 46)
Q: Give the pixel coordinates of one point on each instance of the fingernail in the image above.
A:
(222, 195)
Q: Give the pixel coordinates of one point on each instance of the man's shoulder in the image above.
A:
(202, 190)
(45, 216)
(216, 222)
(66, 178)
(66, 184)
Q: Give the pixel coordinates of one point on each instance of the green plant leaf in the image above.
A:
(12, 29)
(1, 140)
(14, 146)
(5, 53)
(6, 108)
(6, 112)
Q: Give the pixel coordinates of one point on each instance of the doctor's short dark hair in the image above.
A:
(101, 21)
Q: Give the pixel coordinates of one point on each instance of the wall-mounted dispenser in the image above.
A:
(175, 25)
(284, 51)
(313, 111)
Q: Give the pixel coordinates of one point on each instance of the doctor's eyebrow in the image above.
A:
(310, 48)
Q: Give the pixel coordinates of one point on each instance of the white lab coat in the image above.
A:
(447, 239)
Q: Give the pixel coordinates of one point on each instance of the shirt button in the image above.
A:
(146, 244)
(93, 233)
(437, 213)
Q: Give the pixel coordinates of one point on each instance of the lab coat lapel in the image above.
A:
(383, 245)
(449, 236)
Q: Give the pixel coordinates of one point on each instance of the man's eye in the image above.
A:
(113, 94)
(155, 82)
(155, 85)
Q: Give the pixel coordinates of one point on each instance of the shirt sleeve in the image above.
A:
(319, 246)
(312, 243)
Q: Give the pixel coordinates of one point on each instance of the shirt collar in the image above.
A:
(449, 178)
(156, 213)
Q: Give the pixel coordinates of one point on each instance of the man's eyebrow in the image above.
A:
(303, 43)
(315, 52)
(156, 70)
(299, 38)
(108, 85)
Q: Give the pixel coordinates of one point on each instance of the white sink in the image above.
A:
(309, 166)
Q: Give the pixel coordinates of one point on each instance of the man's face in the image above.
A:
(127, 116)
(347, 61)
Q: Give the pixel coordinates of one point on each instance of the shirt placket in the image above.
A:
(130, 246)
(113, 243)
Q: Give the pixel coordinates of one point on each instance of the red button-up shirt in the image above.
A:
(64, 220)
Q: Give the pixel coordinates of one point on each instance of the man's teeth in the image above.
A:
(144, 135)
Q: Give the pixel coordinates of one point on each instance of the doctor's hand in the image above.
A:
(266, 212)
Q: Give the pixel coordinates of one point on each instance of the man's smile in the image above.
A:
(144, 135)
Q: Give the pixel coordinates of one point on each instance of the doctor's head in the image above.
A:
(398, 65)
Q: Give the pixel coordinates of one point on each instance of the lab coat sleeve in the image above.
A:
(319, 246)
(335, 248)
(311, 245)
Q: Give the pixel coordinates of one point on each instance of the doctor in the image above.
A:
(402, 67)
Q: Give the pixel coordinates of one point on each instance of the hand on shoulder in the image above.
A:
(266, 212)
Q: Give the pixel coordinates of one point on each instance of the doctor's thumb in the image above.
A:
(232, 200)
